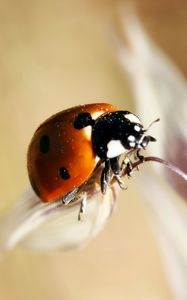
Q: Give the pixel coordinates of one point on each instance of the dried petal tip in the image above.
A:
(53, 226)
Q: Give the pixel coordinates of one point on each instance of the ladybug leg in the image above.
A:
(117, 171)
(83, 204)
(105, 176)
(129, 168)
(76, 196)
(115, 165)
(70, 197)
(139, 156)
(127, 164)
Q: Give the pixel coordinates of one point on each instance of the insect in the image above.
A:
(67, 148)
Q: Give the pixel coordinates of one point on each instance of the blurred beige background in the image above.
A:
(56, 54)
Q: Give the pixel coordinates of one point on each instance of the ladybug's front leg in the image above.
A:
(117, 170)
(127, 164)
(140, 156)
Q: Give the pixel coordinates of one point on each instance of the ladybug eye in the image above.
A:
(83, 120)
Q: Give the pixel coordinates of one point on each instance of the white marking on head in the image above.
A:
(131, 138)
(137, 128)
(115, 148)
(133, 118)
(132, 144)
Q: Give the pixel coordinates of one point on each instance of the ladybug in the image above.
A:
(66, 149)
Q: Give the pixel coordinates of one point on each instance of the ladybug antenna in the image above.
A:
(83, 120)
(155, 121)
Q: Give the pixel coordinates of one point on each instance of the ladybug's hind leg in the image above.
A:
(105, 176)
(76, 196)
(83, 198)
(70, 197)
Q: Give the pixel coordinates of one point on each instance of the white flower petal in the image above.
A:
(160, 91)
(52, 226)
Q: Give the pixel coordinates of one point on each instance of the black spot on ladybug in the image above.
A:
(64, 173)
(34, 186)
(82, 120)
(44, 144)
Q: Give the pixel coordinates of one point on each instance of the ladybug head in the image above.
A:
(115, 133)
